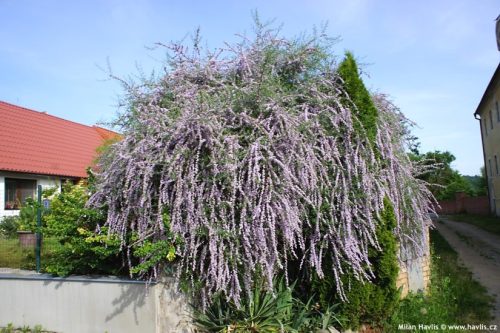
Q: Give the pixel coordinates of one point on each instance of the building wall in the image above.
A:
(490, 128)
(45, 181)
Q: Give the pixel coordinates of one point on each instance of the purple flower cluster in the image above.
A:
(253, 153)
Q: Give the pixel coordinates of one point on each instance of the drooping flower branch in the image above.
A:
(257, 159)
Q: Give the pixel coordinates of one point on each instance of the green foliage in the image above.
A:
(9, 226)
(153, 253)
(27, 215)
(28, 211)
(10, 328)
(266, 311)
(454, 297)
(437, 307)
(360, 98)
(482, 183)
(80, 250)
(478, 183)
(444, 181)
(374, 302)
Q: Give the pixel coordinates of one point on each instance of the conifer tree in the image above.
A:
(358, 97)
(367, 302)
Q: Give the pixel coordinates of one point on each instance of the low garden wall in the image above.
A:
(463, 204)
(107, 304)
(414, 273)
(91, 305)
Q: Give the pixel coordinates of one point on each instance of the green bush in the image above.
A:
(80, 250)
(27, 215)
(28, 211)
(9, 226)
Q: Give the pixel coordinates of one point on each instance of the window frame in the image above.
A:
(498, 111)
(496, 164)
(15, 203)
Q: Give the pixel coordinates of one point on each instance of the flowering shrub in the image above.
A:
(259, 158)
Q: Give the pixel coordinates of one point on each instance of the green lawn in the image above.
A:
(12, 255)
(487, 223)
(454, 296)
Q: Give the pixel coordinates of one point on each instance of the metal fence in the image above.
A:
(22, 251)
(26, 249)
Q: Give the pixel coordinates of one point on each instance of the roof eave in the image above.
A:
(489, 89)
(53, 174)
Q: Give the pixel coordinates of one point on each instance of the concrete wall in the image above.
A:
(45, 181)
(85, 305)
(414, 273)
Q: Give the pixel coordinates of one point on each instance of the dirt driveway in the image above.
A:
(479, 252)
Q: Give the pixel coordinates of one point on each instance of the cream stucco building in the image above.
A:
(488, 114)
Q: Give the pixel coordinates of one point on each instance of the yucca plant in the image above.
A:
(267, 311)
(262, 311)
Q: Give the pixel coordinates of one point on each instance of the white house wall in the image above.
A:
(45, 181)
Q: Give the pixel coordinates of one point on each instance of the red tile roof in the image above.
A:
(36, 142)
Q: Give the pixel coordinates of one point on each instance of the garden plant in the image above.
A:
(264, 161)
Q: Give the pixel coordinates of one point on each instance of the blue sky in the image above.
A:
(434, 58)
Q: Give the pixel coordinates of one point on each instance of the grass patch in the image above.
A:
(454, 297)
(12, 255)
(487, 223)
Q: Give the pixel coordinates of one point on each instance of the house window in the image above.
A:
(498, 111)
(496, 164)
(17, 191)
(491, 119)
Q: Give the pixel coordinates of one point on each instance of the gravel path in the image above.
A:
(480, 253)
